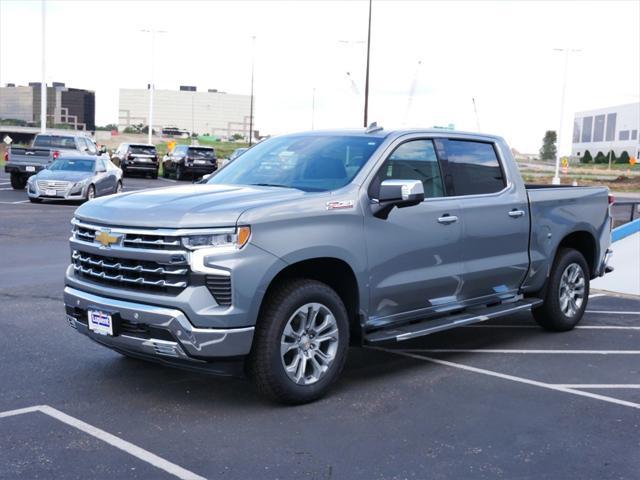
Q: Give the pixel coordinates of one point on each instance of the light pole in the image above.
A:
(43, 84)
(366, 80)
(253, 60)
(556, 176)
(152, 87)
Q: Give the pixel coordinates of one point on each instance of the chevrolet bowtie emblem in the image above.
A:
(106, 239)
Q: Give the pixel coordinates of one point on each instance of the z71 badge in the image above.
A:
(339, 204)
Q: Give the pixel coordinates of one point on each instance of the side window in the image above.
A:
(92, 146)
(474, 168)
(413, 160)
(82, 145)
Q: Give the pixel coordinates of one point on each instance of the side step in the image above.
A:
(426, 327)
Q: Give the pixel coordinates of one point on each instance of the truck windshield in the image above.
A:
(312, 163)
(54, 141)
(73, 165)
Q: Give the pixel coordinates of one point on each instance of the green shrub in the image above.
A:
(623, 158)
(601, 158)
(586, 158)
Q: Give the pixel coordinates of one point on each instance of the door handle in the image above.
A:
(446, 219)
(516, 213)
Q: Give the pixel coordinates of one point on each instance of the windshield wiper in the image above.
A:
(273, 185)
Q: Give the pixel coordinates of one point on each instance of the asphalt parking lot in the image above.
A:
(498, 400)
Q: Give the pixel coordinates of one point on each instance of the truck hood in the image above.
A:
(188, 206)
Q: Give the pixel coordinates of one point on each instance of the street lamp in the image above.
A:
(43, 85)
(556, 176)
(253, 59)
(366, 81)
(152, 87)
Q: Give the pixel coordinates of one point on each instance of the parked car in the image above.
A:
(235, 154)
(191, 161)
(138, 158)
(22, 162)
(75, 177)
(312, 242)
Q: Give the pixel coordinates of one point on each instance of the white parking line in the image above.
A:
(167, 180)
(513, 378)
(596, 295)
(579, 327)
(596, 386)
(522, 352)
(612, 312)
(112, 440)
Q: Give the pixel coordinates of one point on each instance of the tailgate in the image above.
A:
(29, 155)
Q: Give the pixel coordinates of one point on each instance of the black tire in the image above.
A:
(179, 173)
(154, 175)
(18, 181)
(91, 189)
(119, 187)
(265, 365)
(550, 315)
(124, 172)
(35, 200)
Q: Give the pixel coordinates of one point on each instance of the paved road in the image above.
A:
(504, 400)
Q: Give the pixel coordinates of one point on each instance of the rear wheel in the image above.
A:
(567, 292)
(300, 344)
(154, 175)
(119, 187)
(179, 172)
(18, 181)
(165, 172)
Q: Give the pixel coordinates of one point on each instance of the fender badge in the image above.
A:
(339, 204)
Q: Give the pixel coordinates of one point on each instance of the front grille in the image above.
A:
(59, 186)
(143, 275)
(148, 241)
(220, 288)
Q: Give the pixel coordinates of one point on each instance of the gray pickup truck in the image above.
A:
(23, 162)
(312, 242)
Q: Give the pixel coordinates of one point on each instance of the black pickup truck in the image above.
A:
(22, 162)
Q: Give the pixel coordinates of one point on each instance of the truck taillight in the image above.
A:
(612, 199)
(6, 156)
(56, 154)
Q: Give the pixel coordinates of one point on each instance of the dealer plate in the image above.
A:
(100, 322)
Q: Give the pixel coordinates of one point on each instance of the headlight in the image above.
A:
(79, 185)
(235, 240)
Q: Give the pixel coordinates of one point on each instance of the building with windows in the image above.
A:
(607, 129)
(74, 107)
(209, 112)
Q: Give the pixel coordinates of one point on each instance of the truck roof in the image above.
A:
(382, 133)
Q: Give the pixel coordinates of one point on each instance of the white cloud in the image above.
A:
(501, 53)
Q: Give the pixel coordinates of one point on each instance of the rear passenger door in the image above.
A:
(495, 219)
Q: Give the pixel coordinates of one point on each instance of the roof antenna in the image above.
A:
(373, 127)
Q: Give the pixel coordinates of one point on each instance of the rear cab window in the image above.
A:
(472, 168)
(55, 141)
(142, 149)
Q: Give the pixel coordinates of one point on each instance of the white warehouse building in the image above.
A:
(607, 129)
(215, 113)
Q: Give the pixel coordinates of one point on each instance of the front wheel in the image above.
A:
(300, 343)
(91, 192)
(567, 292)
(179, 173)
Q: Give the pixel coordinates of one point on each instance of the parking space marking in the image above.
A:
(606, 386)
(523, 352)
(609, 312)
(596, 295)
(579, 327)
(112, 440)
(513, 378)
(167, 180)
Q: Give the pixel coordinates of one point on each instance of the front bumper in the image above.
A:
(33, 191)
(157, 333)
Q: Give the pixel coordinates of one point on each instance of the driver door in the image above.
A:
(415, 259)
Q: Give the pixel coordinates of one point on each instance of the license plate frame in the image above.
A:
(50, 192)
(100, 322)
(30, 168)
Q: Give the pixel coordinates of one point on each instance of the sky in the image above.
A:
(429, 59)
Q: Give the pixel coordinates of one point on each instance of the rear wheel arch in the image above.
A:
(585, 243)
(335, 273)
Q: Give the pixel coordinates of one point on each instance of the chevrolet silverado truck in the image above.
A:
(23, 162)
(312, 242)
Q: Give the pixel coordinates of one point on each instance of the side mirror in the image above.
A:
(103, 149)
(397, 193)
